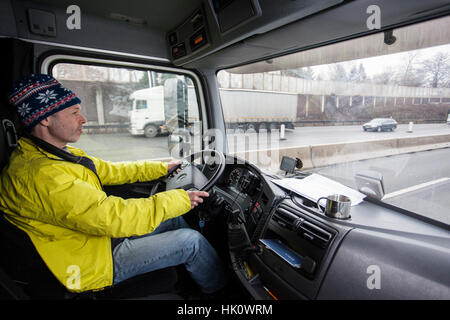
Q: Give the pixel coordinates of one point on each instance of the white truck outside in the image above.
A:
(242, 109)
(150, 116)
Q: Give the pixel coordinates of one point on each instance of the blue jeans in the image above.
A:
(172, 243)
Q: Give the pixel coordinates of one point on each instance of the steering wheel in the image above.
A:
(191, 175)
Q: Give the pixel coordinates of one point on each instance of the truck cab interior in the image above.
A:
(207, 57)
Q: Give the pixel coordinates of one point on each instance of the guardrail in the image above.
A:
(301, 123)
(316, 156)
(123, 127)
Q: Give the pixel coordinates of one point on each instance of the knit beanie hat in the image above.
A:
(37, 96)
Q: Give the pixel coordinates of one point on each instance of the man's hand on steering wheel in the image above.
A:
(196, 180)
(172, 164)
(196, 197)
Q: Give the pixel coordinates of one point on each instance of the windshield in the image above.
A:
(316, 104)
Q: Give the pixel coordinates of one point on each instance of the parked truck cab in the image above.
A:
(162, 109)
(147, 115)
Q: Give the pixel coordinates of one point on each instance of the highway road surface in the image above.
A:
(125, 147)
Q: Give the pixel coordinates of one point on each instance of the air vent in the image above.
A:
(304, 228)
(314, 234)
(285, 219)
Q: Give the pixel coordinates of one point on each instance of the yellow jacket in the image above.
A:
(70, 220)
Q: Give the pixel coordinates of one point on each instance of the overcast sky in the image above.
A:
(379, 64)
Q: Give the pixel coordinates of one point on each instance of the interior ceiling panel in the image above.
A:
(275, 32)
(338, 23)
(153, 13)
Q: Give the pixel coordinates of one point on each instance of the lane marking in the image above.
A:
(414, 188)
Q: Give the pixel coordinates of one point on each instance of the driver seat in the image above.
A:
(24, 275)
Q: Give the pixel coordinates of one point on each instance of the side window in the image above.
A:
(141, 104)
(132, 113)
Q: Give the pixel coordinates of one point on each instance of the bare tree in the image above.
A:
(409, 75)
(385, 77)
(338, 73)
(436, 70)
(357, 74)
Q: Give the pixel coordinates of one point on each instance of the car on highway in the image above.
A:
(294, 212)
(380, 124)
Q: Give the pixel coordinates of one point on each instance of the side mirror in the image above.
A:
(174, 139)
(175, 104)
(370, 183)
(179, 143)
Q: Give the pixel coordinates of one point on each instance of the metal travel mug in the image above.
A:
(337, 206)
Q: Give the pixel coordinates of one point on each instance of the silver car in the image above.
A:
(380, 124)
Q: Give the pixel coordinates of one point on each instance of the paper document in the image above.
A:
(315, 186)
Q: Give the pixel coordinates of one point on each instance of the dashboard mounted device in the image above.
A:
(289, 164)
(370, 183)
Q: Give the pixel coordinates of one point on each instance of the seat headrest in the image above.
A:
(8, 141)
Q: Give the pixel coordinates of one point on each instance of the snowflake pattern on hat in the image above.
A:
(24, 109)
(37, 96)
(47, 96)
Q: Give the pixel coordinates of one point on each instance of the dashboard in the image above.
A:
(281, 246)
(247, 196)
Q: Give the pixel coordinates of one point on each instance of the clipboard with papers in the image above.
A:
(315, 186)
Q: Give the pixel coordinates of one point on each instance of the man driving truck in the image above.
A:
(54, 193)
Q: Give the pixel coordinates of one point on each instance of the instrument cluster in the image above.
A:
(243, 180)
